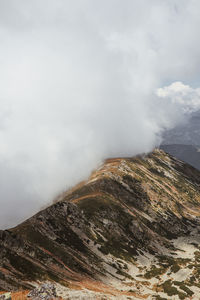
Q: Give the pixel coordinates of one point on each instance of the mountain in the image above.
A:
(188, 153)
(183, 141)
(187, 133)
(130, 232)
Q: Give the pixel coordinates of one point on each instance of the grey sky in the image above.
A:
(79, 83)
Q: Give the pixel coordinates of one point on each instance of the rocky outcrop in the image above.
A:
(45, 291)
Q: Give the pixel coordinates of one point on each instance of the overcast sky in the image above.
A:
(84, 80)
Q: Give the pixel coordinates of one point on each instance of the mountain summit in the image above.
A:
(131, 231)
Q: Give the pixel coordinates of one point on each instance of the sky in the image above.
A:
(84, 80)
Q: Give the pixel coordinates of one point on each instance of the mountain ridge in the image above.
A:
(187, 153)
(129, 211)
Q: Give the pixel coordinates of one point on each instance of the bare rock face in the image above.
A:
(46, 291)
(134, 225)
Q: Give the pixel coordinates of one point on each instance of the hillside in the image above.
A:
(187, 153)
(131, 231)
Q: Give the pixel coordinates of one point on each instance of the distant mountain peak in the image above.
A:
(187, 133)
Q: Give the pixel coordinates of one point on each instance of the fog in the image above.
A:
(84, 80)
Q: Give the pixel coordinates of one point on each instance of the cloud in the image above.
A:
(184, 96)
(78, 81)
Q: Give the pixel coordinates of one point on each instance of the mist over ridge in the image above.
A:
(84, 81)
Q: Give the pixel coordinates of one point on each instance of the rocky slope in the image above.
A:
(187, 153)
(130, 232)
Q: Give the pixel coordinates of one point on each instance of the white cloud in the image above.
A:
(77, 82)
(185, 97)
